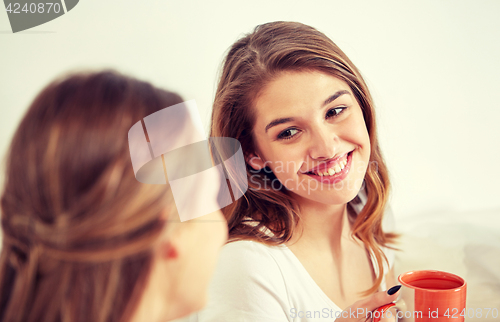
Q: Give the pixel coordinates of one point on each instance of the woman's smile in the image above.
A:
(332, 171)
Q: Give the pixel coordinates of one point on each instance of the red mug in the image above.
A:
(428, 296)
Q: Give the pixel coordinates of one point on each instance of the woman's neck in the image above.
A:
(322, 226)
(158, 302)
(151, 306)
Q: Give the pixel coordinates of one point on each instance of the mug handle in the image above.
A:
(382, 309)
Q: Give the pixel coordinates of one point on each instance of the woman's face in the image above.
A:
(310, 131)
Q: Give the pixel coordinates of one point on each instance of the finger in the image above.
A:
(380, 298)
(391, 314)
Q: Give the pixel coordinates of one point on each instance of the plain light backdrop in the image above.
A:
(432, 66)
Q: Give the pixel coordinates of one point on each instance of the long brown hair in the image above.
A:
(251, 63)
(78, 228)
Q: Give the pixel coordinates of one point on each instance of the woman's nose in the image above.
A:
(323, 145)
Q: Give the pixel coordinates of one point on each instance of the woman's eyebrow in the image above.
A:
(279, 121)
(335, 96)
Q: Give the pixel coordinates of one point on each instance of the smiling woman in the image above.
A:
(308, 235)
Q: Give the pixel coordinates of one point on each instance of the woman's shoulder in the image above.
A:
(247, 285)
(248, 245)
(247, 255)
(255, 263)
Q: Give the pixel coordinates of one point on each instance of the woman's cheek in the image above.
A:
(285, 178)
(361, 167)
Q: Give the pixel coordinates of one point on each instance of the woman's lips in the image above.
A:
(337, 177)
(335, 164)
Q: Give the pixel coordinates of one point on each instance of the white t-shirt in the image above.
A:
(258, 283)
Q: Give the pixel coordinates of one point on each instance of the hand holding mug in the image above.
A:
(428, 295)
(363, 310)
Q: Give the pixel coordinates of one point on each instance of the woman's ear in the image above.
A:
(255, 161)
(169, 250)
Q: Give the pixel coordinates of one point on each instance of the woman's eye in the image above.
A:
(334, 112)
(287, 134)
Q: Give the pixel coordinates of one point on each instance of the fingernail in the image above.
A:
(393, 289)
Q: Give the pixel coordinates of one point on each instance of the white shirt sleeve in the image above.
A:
(248, 286)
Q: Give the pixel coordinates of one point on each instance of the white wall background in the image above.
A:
(432, 66)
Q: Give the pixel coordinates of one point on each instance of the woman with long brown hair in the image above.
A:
(83, 240)
(307, 241)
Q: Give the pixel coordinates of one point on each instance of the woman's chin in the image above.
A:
(326, 198)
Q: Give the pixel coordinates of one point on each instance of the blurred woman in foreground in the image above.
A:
(83, 240)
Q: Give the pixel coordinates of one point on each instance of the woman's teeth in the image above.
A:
(334, 170)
